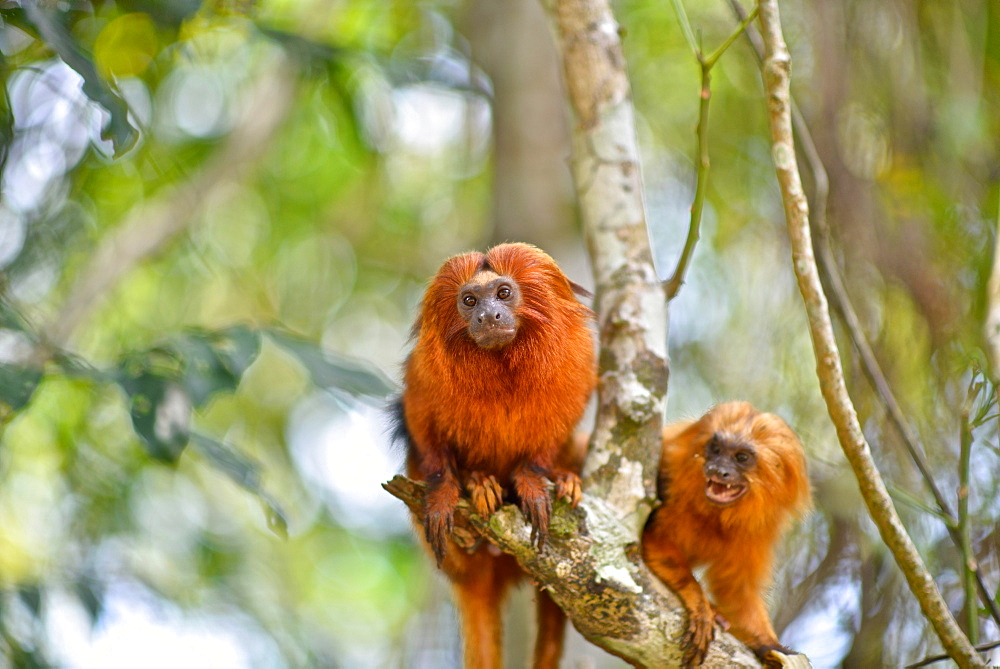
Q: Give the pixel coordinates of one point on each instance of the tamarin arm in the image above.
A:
(669, 564)
(737, 585)
(437, 467)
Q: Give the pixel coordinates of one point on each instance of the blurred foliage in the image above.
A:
(225, 392)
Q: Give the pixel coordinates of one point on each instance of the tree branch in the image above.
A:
(991, 328)
(630, 303)
(616, 605)
(833, 279)
(592, 564)
(676, 280)
(776, 71)
(151, 226)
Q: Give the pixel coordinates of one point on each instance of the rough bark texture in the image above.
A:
(776, 79)
(630, 301)
(605, 590)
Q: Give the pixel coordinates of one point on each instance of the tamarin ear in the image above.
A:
(580, 290)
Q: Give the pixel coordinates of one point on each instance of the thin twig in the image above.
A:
(735, 35)
(777, 74)
(969, 568)
(939, 658)
(676, 280)
(843, 306)
(991, 327)
(686, 26)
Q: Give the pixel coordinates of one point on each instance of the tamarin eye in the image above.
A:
(742, 457)
(503, 293)
(469, 301)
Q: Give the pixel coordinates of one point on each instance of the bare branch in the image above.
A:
(833, 279)
(776, 70)
(939, 658)
(969, 567)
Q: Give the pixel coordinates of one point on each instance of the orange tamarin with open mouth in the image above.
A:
(730, 484)
(499, 376)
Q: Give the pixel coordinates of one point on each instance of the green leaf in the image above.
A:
(245, 472)
(12, 319)
(215, 361)
(166, 382)
(17, 385)
(31, 596)
(905, 497)
(309, 53)
(159, 408)
(166, 13)
(121, 133)
(90, 595)
(334, 371)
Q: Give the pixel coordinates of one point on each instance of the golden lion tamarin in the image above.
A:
(730, 483)
(500, 374)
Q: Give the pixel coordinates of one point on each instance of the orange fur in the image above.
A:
(496, 421)
(735, 542)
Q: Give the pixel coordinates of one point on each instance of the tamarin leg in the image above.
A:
(481, 581)
(551, 631)
(479, 607)
(479, 604)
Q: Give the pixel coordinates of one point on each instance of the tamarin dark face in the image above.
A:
(488, 304)
(728, 461)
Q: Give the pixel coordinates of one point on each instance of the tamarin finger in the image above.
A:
(532, 489)
(568, 487)
(485, 492)
(439, 515)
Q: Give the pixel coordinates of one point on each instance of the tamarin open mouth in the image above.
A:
(720, 492)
